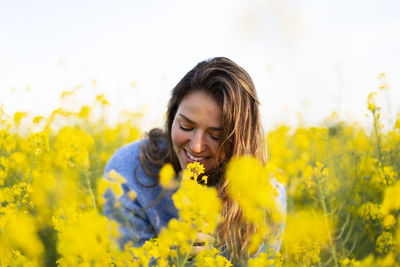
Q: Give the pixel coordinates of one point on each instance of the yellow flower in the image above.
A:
(102, 100)
(179, 235)
(371, 102)
(305, 248)
(22, 233)
(132, 195)
(116, 180)
(250, 186)
(65, 94)
(193, 170)
(211, 258)
(397, 124)
(18, 116)
(84, 113)
(391, 198)
(72, 146)
(38, 142)
(349, 262)
(37, 119)
(198, 205)
(7, 141)
(167, 175)
(384, 243)
(268, 258)
(204, 178)
(87, 240)
(388, 221)
(383, 177)
(383, 80)
(371, 211)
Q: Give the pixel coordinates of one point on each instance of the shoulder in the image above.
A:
(126, 152)
(127, 162)
(281, 197)
(125, 157)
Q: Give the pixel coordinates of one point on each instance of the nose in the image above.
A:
(197, 142)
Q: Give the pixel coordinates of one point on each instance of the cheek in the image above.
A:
(219, 153)
(176, 136)
(214, 149)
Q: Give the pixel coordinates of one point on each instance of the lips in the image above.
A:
(194, 158)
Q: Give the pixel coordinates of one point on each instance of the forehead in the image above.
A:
(201, 108)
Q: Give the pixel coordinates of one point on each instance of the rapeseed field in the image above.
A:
(342, 183)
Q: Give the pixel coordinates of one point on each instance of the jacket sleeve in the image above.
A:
(134, 224)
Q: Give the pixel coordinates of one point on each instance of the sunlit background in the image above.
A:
(305, 57)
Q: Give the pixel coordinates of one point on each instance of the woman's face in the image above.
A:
(196, 130)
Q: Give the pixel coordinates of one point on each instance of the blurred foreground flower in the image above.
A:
(250, 186)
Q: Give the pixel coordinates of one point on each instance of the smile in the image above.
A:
(190, 156)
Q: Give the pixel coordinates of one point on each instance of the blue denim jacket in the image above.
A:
(144, 217)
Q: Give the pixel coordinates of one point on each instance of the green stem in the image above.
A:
(325, 209)
(29, 181)
(89, 186)
(182, 260)
(378, 142)
(378, 139)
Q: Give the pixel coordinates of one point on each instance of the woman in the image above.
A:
(213, 115)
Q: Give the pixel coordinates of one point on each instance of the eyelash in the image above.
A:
(215, 138)
(184, 128)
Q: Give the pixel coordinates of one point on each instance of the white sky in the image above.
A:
(307, 56)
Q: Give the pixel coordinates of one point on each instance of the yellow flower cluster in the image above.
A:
(197, 204)
(349, 263)
(48, 178)
(389, 221)
(211, 258)
(268, 258)
(391, 199)
(371, 211)
(305, 236)
(371, 102)
(384, 243)
(387, 261)
(76, 241)
(38, 143)
(167, 175)
(72, 146)
(21, 232)
(199, 211)
(383, 177)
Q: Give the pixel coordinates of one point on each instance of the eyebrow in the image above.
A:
(193, 122)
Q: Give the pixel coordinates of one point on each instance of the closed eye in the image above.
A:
(185, 128)
(214, 137)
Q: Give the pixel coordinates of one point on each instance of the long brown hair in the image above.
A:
(242, 134)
